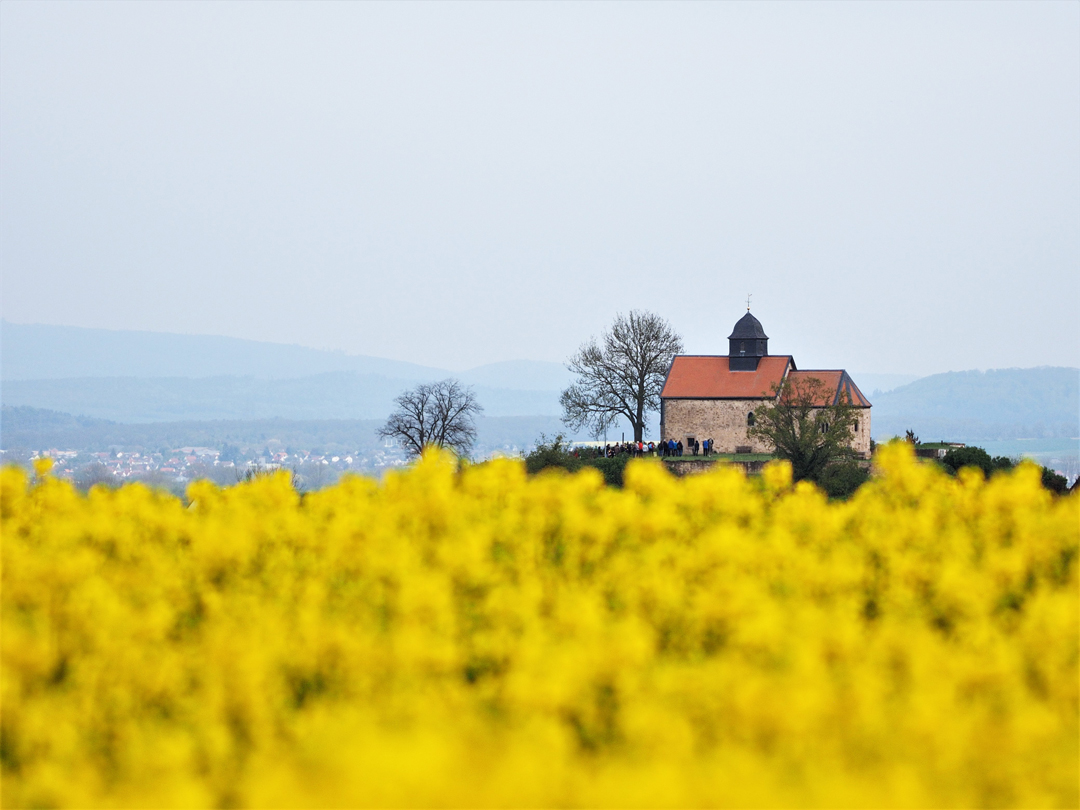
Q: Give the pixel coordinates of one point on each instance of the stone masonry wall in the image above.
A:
(724, 421)
(861, 443)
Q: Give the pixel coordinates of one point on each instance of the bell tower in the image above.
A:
(747, 344)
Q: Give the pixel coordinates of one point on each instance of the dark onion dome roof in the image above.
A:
(748, 328)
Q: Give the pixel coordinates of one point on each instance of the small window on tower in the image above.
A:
(750, 419)
(742, 347)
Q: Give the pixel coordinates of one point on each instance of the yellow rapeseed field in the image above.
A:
(477, 637)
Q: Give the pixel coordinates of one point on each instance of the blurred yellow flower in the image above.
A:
(472, 636)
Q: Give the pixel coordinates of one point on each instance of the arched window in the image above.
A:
(824, 427)
(750, 419)
(742, 347)
(856, 425)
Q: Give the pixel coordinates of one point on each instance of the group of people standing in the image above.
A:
(675, 448)
(664, 449)
(637, 449)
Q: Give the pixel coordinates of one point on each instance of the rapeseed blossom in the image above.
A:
(477, 637)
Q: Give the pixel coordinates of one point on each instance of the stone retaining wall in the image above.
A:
(694, 466)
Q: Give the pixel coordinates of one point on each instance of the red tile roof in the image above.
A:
(837, 382)
(708, 377)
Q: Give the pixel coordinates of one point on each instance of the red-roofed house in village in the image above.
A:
(714, 396)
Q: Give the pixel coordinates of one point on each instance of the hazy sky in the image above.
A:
(898, 185)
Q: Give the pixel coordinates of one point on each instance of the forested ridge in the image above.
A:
(1011, 403)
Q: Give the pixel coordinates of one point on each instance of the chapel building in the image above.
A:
(714, 396)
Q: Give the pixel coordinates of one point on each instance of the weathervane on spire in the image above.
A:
(748, 296)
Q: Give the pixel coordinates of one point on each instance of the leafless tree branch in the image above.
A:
(441, 414)
(621, 375)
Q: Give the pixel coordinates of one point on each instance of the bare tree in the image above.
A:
(621, 375)
(440, 414)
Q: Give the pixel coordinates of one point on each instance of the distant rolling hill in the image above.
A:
(518, 375)
(35, 428)
(143, 377)
(337, 395)
(37, 351)
(969, 406)
(873, 384)
(43, 352)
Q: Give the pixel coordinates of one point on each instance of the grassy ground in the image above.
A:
(738, 457)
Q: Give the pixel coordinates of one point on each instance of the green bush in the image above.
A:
(840, 480)
(551, 453)
(611, 468)
(977, 457)
(557, 453)
(1054, 481)
(961, 457)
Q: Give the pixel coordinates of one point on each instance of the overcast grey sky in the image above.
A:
(898, 185)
